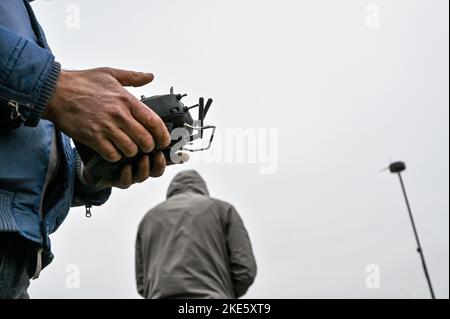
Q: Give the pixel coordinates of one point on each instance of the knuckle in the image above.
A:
(126, 99)
(166, 140)
(94, 134)
(130, 148)
(116, 114)
(89, 135)
(146, 140)
(154, 119)
(110, 154)
(160, 131)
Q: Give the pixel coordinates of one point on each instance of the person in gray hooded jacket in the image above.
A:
(193, 246)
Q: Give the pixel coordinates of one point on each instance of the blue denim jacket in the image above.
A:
(28, 75)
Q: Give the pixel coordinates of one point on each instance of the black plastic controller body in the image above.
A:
(174, 114)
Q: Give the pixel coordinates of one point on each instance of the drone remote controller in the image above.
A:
(176, 116)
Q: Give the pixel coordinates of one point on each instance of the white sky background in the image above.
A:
(346, 98)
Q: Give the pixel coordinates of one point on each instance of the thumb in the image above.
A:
(131, 78)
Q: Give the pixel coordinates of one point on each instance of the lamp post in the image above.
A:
(398, 168)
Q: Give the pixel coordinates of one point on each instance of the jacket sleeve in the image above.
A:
(84, 193)
(242, 260)
(139, 266)
(28, 77)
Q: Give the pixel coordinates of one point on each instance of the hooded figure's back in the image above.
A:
(193, 246)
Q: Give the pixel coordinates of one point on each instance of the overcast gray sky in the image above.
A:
(331, 91)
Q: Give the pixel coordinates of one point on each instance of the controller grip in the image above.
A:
(169, 108)
(100, 170)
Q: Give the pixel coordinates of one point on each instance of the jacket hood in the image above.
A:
(187, 181)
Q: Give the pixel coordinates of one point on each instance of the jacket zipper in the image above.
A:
(14, 106)
(15, 112)
(88, 211)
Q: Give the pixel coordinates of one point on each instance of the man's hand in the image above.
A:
(93, 108)
(144, 171)
(128, 177)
